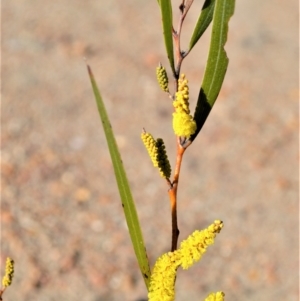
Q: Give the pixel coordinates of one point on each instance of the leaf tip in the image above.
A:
(91, 75)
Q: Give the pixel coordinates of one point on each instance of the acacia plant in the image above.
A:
(160, 281)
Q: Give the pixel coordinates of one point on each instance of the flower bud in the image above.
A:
(162, 78)
(157, 152)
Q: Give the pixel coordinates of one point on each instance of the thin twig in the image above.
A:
(173, 195)
(1, 292)
(169, 183)
(187, 5)
(179, 54)
(181, 144)
(175, 230)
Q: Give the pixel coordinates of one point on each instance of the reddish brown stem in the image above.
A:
(1, 292)
(181, 145)
(175, 230)
(173, 196)
(179, 54)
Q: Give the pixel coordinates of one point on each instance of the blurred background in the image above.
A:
(61, 217)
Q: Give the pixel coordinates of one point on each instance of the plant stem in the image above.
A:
(173, 195)
(175, 230)
(187, 4)
(179, 56)
(1, 292)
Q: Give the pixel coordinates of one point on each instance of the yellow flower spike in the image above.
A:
(162, 283)
(9, 272)
(157, 153)
(219, 296)
(192, 249)
(149, 143)
(183, 123)
(162, 78)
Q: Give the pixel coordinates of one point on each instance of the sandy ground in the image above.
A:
(61, 216)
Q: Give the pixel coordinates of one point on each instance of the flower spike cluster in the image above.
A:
(157, 152)
(183, 123)
(9, 272)
(162, 283)
(162, 78)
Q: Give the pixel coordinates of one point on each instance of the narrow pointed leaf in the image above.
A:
(167, 22)
(124, 189)
(203, 22)
(217, 62)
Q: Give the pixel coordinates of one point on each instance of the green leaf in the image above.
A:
(217, 62)
(124, 189)
(166, 14)
(203, 22)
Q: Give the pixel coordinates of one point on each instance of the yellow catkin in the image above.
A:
(183, 123)
(219, 296)
(9, 272)
(162, 282)
(196, 244)
(157, 152)
(149, 143)
(162, 78)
